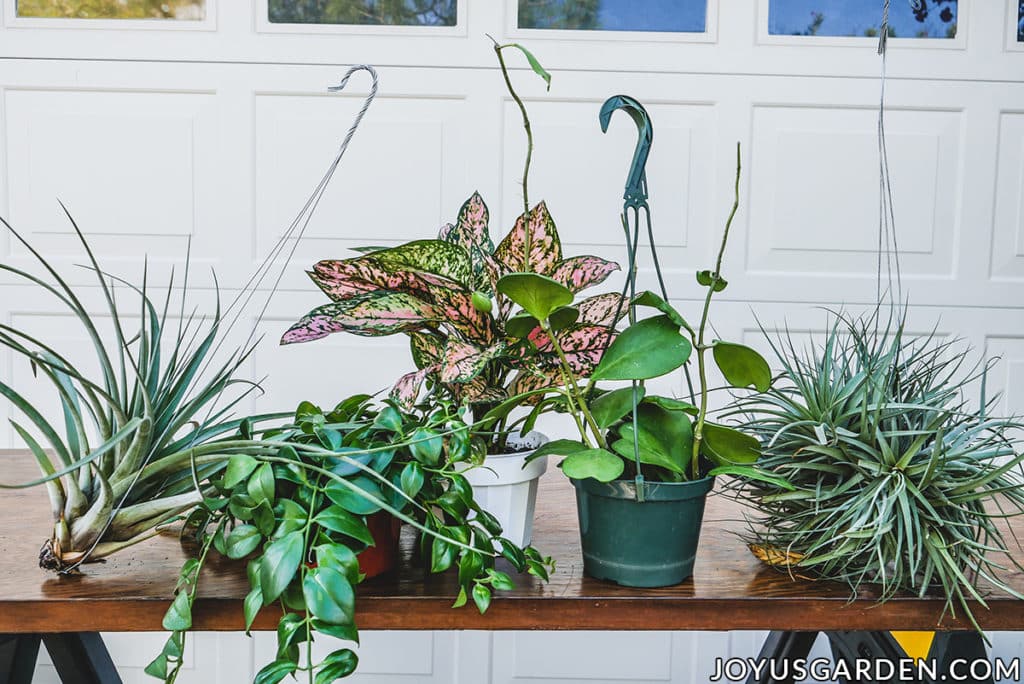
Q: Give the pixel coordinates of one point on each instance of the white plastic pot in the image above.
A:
(507, 490)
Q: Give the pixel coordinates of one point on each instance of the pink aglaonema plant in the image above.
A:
(465, 342)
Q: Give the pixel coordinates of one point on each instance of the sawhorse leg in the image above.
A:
(78, 657)
(867, 646)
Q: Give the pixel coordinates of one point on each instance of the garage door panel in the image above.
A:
(581, 172)
(815, 192)
(407, 156)
(1008, 228)
(130, 165)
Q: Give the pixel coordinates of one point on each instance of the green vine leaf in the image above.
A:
(251, 607)
(482, 598)
(726, 446)
(706, 278)
(611, 406)
(354, 495)
(742, 366)
(337, 519)
(647, 349)
(602, 465)
(534, 64)
(240, 466)
(337, 665)
(242, 541)
(179, 615)
(329, 596)
(280, 562)
(275, 672)
(538, 294)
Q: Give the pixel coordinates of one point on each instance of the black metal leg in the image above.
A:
(865, 649)
(965, 647)
(779, 647)
(18, 654)
(81, 658)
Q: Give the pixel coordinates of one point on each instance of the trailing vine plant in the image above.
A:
(297, 513)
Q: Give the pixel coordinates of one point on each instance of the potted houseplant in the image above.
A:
(642, 465)
(895, 479)
(303, 516)
(468, 347)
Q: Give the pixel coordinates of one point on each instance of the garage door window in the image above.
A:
(852, 18)
(365, 12)
(182, 10)
(1020, 22)
(673, 16)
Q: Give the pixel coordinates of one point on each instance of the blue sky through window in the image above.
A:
(678, 16)
(862, 18)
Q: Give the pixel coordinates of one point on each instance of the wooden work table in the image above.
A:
(730, 590)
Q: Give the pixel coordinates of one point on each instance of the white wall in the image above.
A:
(217, 133)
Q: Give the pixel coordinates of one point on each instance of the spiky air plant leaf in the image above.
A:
(140, 439)
(897, 481)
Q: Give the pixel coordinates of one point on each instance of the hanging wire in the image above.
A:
(239, 304)
(888, 243)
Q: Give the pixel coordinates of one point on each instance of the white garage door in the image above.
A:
(209, 120)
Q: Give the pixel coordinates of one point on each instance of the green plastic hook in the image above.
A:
(636, 181)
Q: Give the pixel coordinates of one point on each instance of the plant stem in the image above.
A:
(699, 346)
(529, 153)
(572, 387)
(304, 570)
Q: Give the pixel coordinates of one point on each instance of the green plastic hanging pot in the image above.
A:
(648, 544)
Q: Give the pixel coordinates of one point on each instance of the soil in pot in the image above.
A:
(648, 544)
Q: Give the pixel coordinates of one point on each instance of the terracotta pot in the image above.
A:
(384, 556)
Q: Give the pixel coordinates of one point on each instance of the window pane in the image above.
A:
(907, 18)
(194, 10)
(372, 12)
(1020, 22)
(679, 16)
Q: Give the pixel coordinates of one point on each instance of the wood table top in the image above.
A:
(730, 589)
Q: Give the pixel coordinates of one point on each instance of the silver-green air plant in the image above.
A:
(137, 438)
(900, 482)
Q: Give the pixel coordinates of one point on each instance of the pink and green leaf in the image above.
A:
(381, 313)
(580, 272)
(582, 343)
(408, 387)
(427, 348)
(530, 380)
(471, 226)
(477, 391)
(545, 247)
(604, 309)
(447, 233)
(455, 307)
(463, 361)
(342, 280)
(428, 256)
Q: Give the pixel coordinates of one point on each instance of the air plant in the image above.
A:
(137, 442)
(898, 481)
